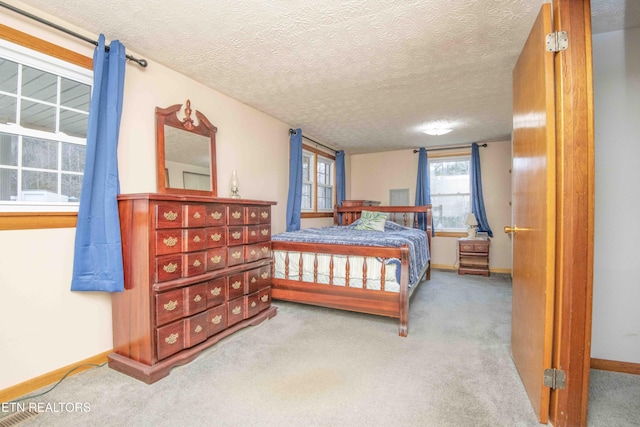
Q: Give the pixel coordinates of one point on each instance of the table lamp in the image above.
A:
(471, 221)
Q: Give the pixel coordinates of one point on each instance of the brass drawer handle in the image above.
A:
(265, 215)
(197, 298)
(253, 251)
(216, 291)
(236, 235)
(170, 216)
(253, 304)
(265, 249)
(264, 298)
(236, 255)
(172, 339)
(198, 329)
(216, 215)
(236, 285)
(236, 215)
(171, 305)
(196, 215)
(253, 234)
(253, 214)
(216, 237)
(216, 259)
(216, 320)
(236, 310)
(264, 232)
(196, 239)
(264, 275)
(170, 241)
(196, 263)
(254, 280)
(170, 268)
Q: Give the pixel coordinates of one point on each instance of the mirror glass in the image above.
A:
(185, 151)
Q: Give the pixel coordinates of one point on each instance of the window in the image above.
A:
(450, 185)
(44, 109)
(318, 182)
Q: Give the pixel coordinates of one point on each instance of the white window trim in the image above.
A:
(44, 62)
(314, 183)
(444, 158)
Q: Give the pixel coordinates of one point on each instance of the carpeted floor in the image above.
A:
(311, 366)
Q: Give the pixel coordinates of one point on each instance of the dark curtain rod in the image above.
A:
(141, 62)
(450, 148)
(291, 132)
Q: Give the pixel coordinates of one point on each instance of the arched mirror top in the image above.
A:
(185, 151)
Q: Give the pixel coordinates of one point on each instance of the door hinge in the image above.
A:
(557, 41)
(555, 378)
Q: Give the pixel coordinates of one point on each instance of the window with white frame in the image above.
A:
(44, 109)
(318, 181)
(450, 185)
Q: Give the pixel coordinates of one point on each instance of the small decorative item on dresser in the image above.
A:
(235, 185)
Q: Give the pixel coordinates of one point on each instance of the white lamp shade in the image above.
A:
(471, 219)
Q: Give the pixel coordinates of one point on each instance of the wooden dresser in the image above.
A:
(197, 269)
(473, 256)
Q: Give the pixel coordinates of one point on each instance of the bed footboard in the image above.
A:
(340, 290)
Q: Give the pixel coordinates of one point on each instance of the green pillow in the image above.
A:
(371, 221)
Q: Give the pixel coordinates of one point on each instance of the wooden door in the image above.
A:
(534, 210)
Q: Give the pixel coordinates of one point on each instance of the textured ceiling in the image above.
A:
(361, 75)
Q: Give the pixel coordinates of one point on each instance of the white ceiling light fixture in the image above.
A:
(438, 128)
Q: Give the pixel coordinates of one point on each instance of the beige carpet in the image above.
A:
(312, 366)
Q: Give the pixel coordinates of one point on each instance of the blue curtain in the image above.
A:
(97, 263)
(294, 199)
(341, 187)
(477, 201)
(423, 191)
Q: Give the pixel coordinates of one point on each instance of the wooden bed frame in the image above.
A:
(360, 299)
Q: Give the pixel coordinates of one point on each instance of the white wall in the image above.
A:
(43, 325)
(373, 175)
(616, 283)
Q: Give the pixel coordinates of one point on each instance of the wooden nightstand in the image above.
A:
(473, 256)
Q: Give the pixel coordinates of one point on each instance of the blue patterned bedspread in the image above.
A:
(394, 235)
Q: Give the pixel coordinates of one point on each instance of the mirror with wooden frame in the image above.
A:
(185, 152)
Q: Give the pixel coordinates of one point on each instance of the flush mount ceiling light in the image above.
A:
(437, 128)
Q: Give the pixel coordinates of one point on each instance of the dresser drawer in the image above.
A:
(194, 239)
(264, 298)
(168, 267)
(216, 291)
(170, 339)
(169, 306)
(235, 215)
(265, 232)
(252, 215)
(194, 264)
(216, 259)
(237, 286)
(216, 236)
(235, 255)
(194, 215)
(253, 304)
(265, 215)
(168, 241)
(216, 215)
(235, 236)
(252, 278)
(257, 251)
(236, 310)
(195, 329)
(253, 233)
(216, 319)
(195, 298)
(169, 215)
(264, 279)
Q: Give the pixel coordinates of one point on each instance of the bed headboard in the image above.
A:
(404, 215)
